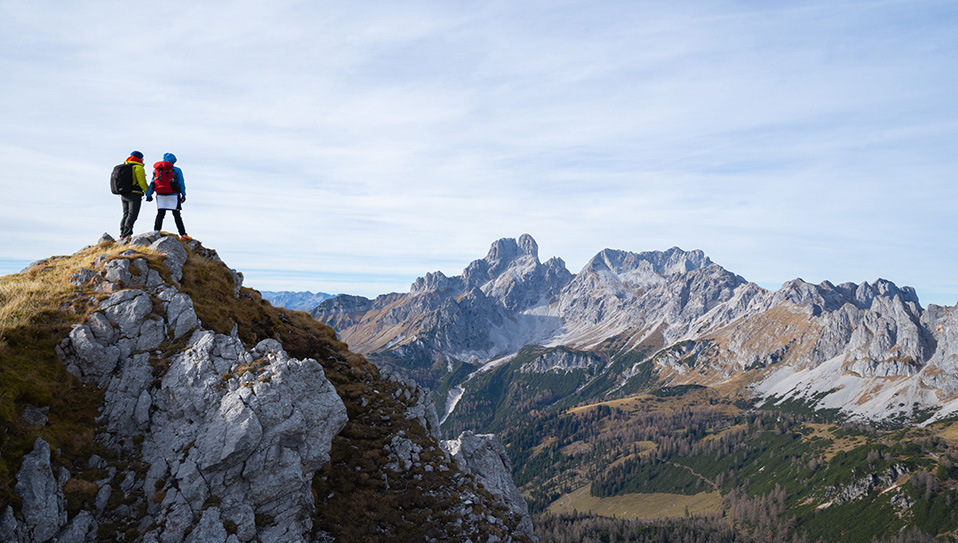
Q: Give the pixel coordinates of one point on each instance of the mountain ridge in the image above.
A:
(730, 326)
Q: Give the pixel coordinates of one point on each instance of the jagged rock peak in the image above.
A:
(433, 281)
(645, 268)
(832, 297)
(520, 256)
(502, 254)
(555, 263)
(507, 249)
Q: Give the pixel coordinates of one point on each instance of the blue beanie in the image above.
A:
(137, 154)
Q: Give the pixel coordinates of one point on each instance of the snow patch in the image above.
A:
(452, 400)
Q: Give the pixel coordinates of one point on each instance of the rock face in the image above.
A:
(228, 434)
(209, 440)
(269, 425)
(486, 458)
(829, 345)
(43, 507)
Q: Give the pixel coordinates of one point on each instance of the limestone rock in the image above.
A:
(423, 408)
(36, 416)
(127, 309)
(8, 525)
(486, 458)
(179, 311)
(94, 360)
(276, 411)
(210, 529)
(43, 505)
(404, 453)
(81, 529)
(175, 255)
(560, 360)
(213, 421)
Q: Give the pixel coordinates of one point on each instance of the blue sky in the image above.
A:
(351, 147)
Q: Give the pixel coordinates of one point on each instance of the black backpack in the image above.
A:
(121, 180)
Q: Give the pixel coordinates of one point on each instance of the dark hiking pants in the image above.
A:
(158, 223)
(131, 210)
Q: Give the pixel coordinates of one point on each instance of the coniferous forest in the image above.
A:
(775, 476)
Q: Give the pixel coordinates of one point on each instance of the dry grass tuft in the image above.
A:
(46, 285)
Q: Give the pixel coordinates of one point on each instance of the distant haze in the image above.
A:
(300, 301)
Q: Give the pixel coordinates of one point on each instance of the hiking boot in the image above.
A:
(184, 237)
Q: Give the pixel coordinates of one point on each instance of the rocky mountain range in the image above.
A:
(164, 402)
(667, 318)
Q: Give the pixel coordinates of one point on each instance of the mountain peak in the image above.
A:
(528, 245)
(508, 249)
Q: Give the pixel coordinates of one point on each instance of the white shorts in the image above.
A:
(167, 201)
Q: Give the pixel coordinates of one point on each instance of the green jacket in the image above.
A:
(139, 177)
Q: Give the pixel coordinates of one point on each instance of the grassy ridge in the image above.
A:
(37, 309)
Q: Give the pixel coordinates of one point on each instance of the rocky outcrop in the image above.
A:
(43, 505)
(205, 439)
(259, 408)
(227, 436)
(561, 360)
(885, 481)
(485, 458)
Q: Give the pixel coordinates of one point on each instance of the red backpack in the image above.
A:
(164, 178)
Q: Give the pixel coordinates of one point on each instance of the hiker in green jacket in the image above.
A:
(131, 202)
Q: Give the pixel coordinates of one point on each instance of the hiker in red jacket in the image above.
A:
(170, 188)
(131, 200)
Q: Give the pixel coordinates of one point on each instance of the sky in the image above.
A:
(350, 147)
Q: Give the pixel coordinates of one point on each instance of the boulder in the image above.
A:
(175, 255)
(82, 529)
(42, 500)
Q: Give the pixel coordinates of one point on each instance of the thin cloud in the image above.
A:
(385, 141)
